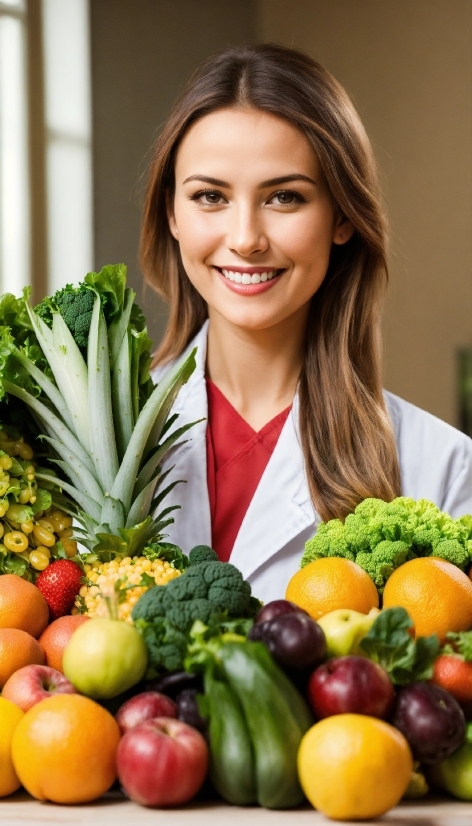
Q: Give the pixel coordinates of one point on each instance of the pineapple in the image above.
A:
(107, 425)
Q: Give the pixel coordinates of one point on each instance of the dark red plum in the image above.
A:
(352, 685)
(277, 608)
(431, 720)
(294, 640)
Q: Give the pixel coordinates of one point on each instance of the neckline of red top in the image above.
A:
(237, 456)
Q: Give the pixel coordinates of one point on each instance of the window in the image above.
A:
(14, 168)
(50, 142)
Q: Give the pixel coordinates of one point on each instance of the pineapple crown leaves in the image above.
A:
(103, 419)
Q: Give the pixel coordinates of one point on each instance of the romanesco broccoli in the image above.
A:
(380, 536)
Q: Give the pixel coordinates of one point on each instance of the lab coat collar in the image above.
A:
(281, 507)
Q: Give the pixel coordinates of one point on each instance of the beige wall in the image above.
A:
(408, 66)
(143, 51)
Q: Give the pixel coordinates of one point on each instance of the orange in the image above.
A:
(17, 648)
(330, 583)
(56, 636)
(64, 749)
(10, 716)
(455, 675)
(354, 767)
(436, 594)
(22, 605)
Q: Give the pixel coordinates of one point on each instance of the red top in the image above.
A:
(237, 456)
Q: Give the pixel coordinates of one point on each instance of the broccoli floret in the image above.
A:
(150, 605)
(75, 304)
(379, 536)
(166, 645)
(202, 553)
(329, 540)
(205, 590)
(453, 551)
(381, 563)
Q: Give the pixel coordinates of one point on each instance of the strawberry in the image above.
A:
(59, 584)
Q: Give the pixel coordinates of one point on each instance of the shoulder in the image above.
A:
(435, 458)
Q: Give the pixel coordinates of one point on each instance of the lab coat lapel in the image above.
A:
(281, 508)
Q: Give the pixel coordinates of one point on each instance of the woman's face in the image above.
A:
(253, 217)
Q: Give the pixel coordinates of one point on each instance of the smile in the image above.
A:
(247, 278)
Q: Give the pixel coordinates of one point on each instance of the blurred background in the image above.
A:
(86, 84)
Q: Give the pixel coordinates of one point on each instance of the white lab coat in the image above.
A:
(435, 463)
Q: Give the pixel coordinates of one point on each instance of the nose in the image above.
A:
(246, 232)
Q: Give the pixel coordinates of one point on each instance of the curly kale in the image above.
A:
(380, 536)
(75, 304)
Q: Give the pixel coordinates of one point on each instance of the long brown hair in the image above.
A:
(346, 435)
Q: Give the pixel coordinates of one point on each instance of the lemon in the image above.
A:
(10, 716)
(354, 767)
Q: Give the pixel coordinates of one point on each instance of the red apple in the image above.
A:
(162, 762)
(144, 707)
(33, 683)
(352, 685)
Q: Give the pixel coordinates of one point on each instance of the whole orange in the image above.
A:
(330, 583)
(455, 675)
(64, 749)
(17, 648)
(10, 716)
(436, 594)
(22, 605)
(56, 636)
(354, 767)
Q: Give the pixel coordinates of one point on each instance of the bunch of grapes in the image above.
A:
(32, 531)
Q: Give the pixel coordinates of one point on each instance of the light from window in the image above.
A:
(14, 184)
(68, 132)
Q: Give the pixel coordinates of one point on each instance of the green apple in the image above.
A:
(104, 658)
(344, 629)
(455, 774)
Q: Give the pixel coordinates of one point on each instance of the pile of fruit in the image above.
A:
(121, 658)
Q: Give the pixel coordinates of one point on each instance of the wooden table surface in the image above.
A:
(114, 810)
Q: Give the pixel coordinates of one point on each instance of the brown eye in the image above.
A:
(207, 197)
(287, 197)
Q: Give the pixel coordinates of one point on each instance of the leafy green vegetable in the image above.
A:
(459, 642)
(390, 644)
(380, 536)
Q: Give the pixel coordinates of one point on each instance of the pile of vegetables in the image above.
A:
(78, 368)
(380, 536)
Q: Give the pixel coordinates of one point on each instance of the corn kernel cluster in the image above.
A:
(125, 571)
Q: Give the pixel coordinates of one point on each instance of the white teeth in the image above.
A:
(245, 278)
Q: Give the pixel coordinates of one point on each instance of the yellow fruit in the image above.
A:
(330, 583)
(10, 716)
(354, 767)
(436, 594)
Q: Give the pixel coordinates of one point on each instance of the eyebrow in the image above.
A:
(284, 179)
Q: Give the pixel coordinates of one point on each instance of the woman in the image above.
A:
(263, 230)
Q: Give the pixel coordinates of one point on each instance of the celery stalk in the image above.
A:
(85, 502)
